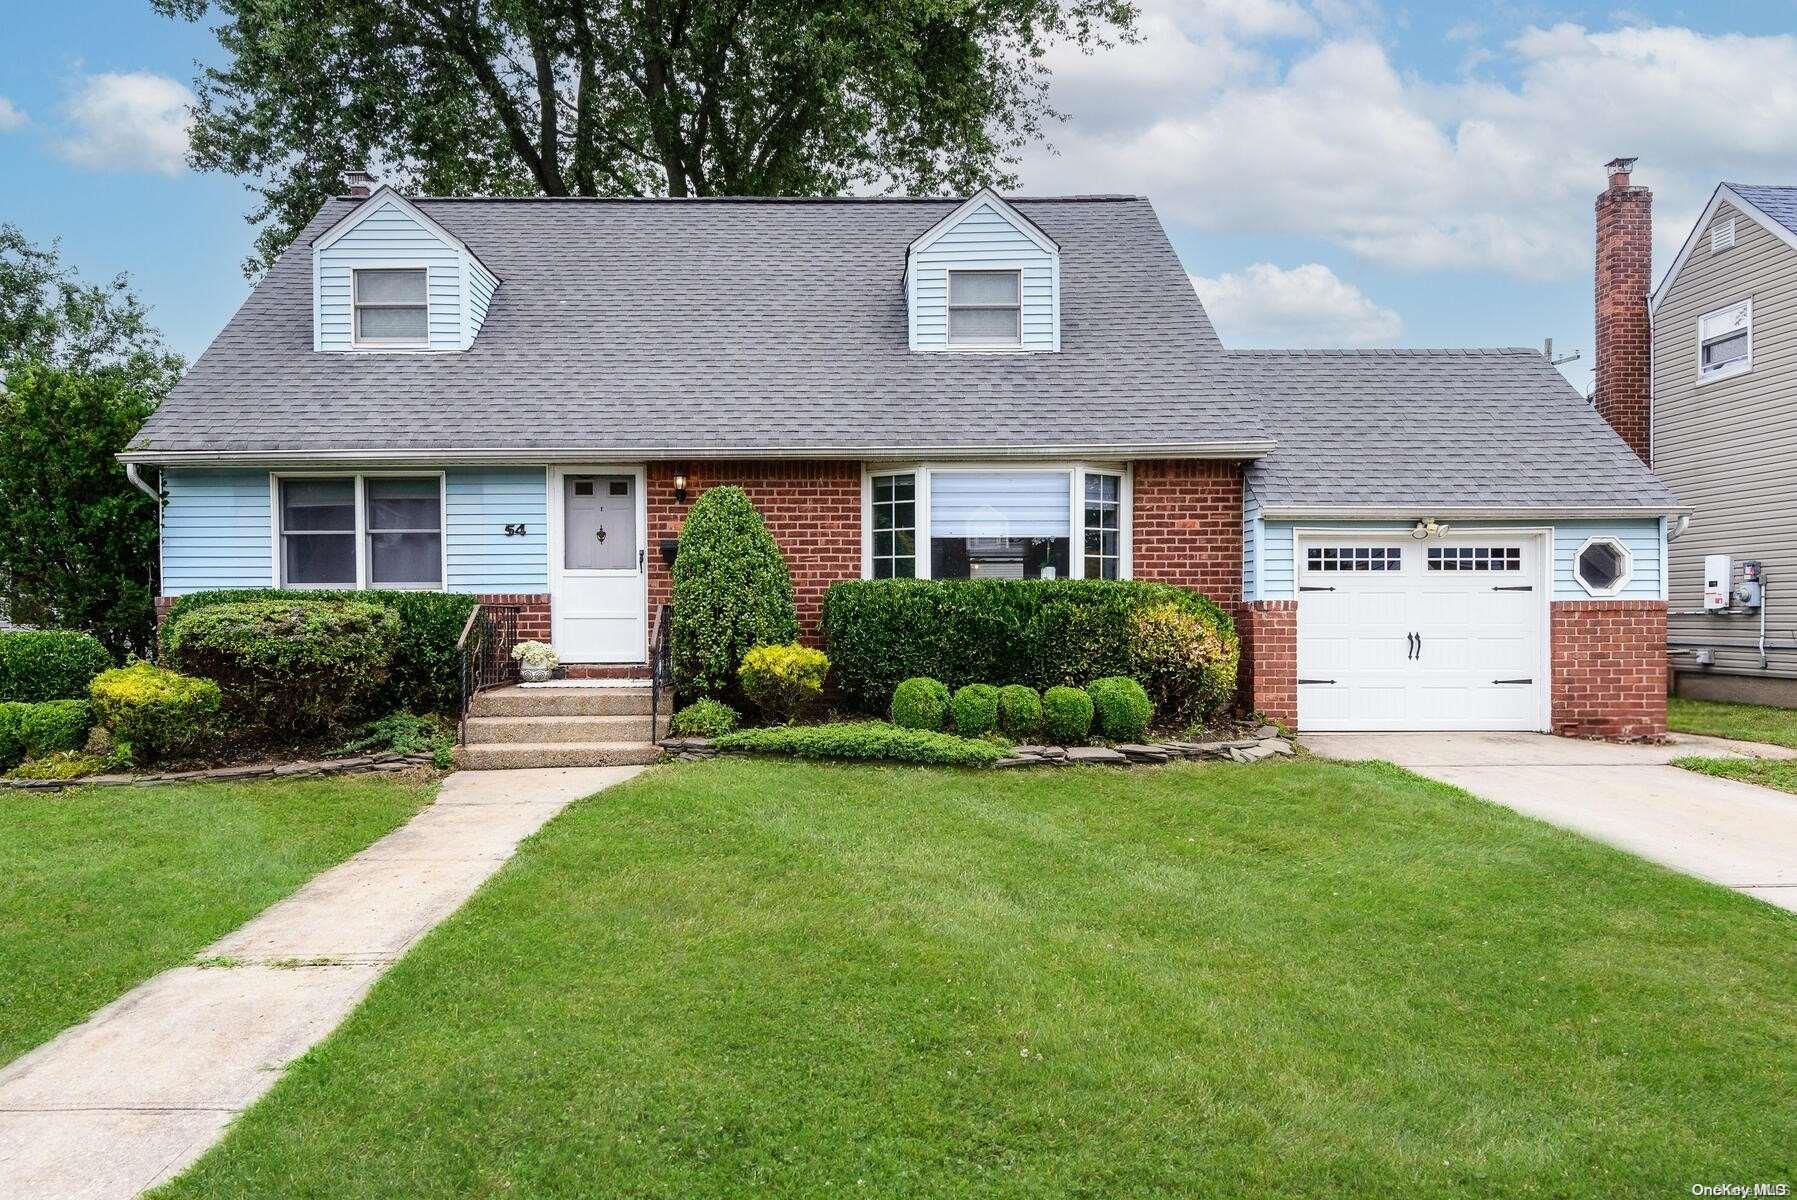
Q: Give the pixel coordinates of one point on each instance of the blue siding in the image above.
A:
(984, 238)
(216, 531)
(481, 503)
(1640, 535)
(389, 236)
(1250, 544)
(481, 286)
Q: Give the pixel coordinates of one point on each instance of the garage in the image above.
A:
(1446, 632)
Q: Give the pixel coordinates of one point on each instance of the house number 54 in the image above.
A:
(515, 531)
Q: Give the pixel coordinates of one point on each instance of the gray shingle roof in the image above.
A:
(1434, 429)
(1779, 203)
(734, 326)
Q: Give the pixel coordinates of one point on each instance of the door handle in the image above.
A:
(1419, 645)
(641, 557)
(1411, 639)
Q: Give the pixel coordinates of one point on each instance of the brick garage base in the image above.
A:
(1609, 668)
(1267, 681)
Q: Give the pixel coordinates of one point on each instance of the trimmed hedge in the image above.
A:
(1019, 711)
(704, 718)
(864, 740)
(37, 730)
(49, 664)
(1066, 716)
(1121, 709)
(154, 712)
(1030, 631)
(976, 710)
(426, 674)
(293, 666)
(784, 681)
(920, 703)
(731, 592)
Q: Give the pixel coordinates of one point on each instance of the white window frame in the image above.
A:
(1739, 366)
(356, 306)
(949, 307)
(278, 560)
(1622, 580)
(1076, 507)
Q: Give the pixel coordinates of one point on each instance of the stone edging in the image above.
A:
(1265, 744)
(384, 762)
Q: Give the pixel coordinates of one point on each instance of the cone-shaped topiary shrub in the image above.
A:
(976, 710)
(1019, 710)
(919, 703)
(1066, 715)
(732, 592)
(1121, 710)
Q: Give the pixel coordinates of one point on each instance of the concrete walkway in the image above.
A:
(1740, 835)
(146, 1085)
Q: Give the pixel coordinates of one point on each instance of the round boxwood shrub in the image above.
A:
(976, 710)
(155, 713)
(1019, 710)
(29, 731)
(296, 667)
(1186, 663)
(919, 703)
(732, 592)
(1066, 715)
(785, 681)
(1121, 709)
(49, 664)
(704, 718)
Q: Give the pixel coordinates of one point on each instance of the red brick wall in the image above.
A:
(1188, 525)
(533, 617)
(1624, 277)
(1609, 668)
(1267, 681)
(813, 509)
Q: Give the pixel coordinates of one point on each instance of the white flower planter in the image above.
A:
(535, 674)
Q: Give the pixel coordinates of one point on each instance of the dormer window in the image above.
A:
(392, 307)
(985, 308)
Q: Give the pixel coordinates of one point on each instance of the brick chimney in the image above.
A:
(359, 184)
(1624, 334)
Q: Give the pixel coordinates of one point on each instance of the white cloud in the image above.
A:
(1333, 142)
(1309, 305)
(136, 121)
(11, 116)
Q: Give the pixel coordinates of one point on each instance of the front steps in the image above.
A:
(605, 726)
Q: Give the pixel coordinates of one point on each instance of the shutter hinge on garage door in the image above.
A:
(1515, 587)
(1316, 681)
(1513, 681)
(1309, 588)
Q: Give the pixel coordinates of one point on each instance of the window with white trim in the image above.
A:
(894, 526)
(392, 306)
(1725, 342)
(985, 308)
(1603, 566)
(355, 531)
(1354, 558)
(1475, 558)
(1104, 525)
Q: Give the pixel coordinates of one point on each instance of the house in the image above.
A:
(520, 398)
(1721, 423)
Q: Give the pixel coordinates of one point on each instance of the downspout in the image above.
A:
(138, 482)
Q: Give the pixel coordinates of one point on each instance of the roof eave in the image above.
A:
(1465, 512)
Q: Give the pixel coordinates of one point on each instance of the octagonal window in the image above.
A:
(1603, 566)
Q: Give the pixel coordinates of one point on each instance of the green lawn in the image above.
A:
(1746, 722)
(1780, 773)
(101, 888)
(749, 979)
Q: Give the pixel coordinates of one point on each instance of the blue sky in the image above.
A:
(1332, 172)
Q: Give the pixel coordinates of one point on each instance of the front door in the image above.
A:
(599, 603)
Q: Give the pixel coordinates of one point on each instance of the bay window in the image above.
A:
(361, 531)
(954, 522)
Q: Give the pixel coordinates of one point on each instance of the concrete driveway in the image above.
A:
(1736, 834)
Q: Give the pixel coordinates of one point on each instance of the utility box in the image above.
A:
(1718, 580)
(1750, 593)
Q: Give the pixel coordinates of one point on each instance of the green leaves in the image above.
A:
(626, 97)
(732, 593)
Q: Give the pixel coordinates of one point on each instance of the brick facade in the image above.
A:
(1609, 661)
(813, 509)
(1267, 680)
(1188, 525)
(1624, 331)
(533, 614)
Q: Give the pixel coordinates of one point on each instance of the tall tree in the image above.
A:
(80, 371)
(627, 97)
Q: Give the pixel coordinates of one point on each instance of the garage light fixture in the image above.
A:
(1429, 528)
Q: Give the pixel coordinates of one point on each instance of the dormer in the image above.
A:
(387, 278)
(984, 279)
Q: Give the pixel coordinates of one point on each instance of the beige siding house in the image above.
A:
(1724, 439)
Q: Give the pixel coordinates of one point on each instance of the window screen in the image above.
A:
(318, 532)
(392, 306)
(985, 308)
(405, 532)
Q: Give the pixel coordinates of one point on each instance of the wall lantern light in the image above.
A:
(680, 487)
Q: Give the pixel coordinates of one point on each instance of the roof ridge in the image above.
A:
(1092, 198)
(1387, 351)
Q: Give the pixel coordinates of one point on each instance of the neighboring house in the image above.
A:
(1724, 436)
(520, 398)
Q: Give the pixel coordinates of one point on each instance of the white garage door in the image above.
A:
(1395, 633)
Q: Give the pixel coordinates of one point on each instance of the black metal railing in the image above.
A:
(485, 651)
(661, 668)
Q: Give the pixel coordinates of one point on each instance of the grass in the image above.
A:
(101, 888)
(1744, 722)
(745, 978)
(1780, 773)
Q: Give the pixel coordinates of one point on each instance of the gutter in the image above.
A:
(1411, 512)
(137, 481)
(537, 455)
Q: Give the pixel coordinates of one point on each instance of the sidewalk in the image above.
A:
(131, 1097)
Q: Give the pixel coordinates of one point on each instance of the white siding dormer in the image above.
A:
(388, 232)
(1007, 256)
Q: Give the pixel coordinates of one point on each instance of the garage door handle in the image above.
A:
(1515, 587)
(1419, 644)
(1411, 653)
(1513, 681)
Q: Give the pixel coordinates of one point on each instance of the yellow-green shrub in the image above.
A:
(1186, 663)
(157, 712)
(784, 681)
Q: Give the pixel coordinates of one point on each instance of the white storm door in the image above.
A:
(600, 602)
